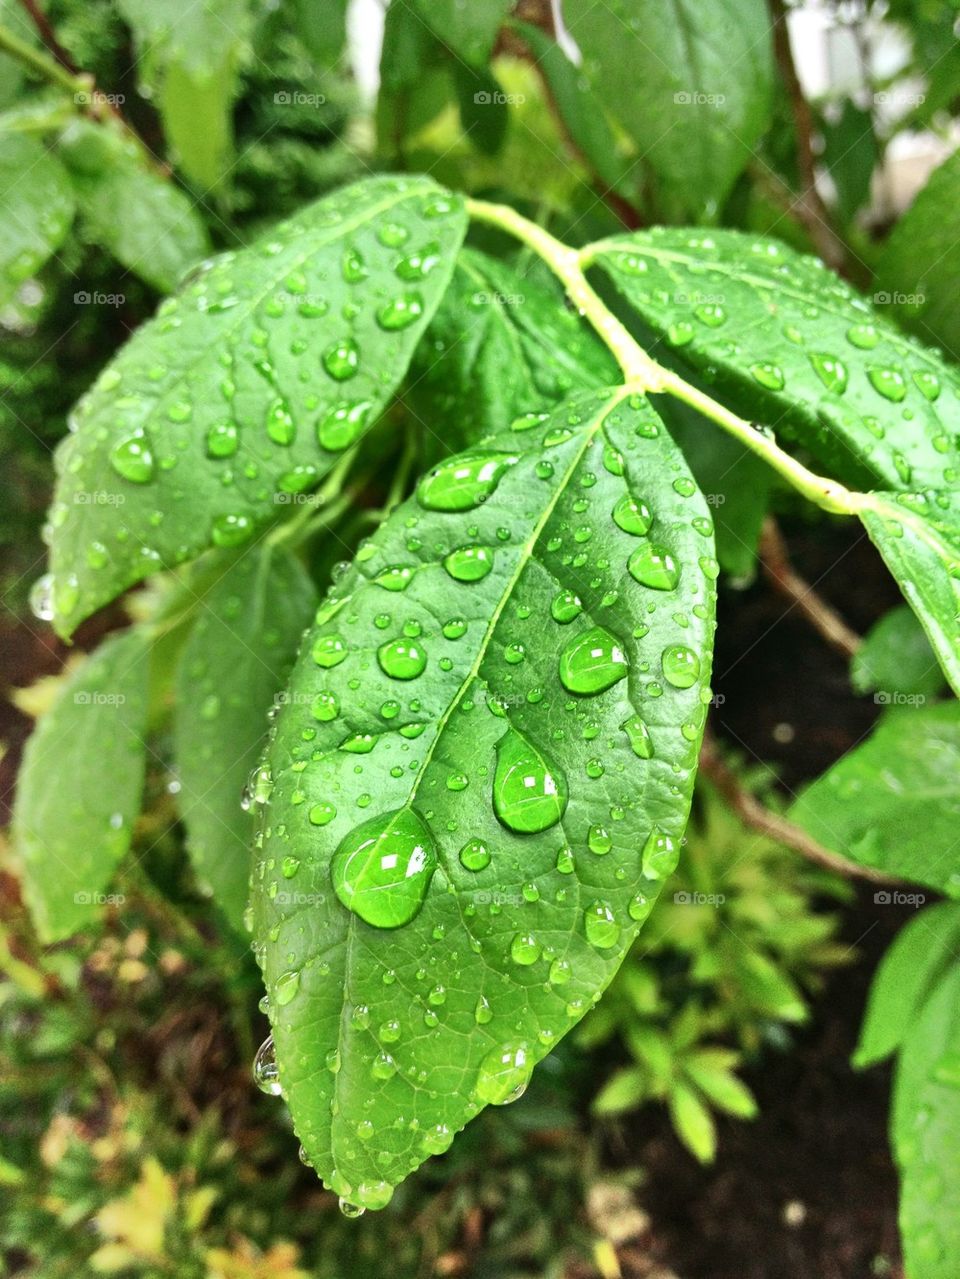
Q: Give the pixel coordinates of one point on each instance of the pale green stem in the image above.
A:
(644, 374)
(42, 63)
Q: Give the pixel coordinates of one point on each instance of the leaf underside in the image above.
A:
(385, 1036)
(246, 386)
(232, 667)
(80, 786)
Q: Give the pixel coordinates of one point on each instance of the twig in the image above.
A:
(41, 63)
(822, 616)
(48, 36)
(809, 206)
(766, 822)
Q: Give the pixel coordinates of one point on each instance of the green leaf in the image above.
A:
(232, 668)
(918, 536)
(624, 1090)
(716, 1080)
(36, 209)
(130, 209)
(784, 342)
(495, 663)
(579, 109)
(850, 154)
(80, 786)
(893, 802)
(483, 109)
(693, 1122)
(896, 658)
(468, 29)
(921, 259)
(500, 345)
(923, 950)
(322, 26)
(246, 387)
(926, 1135)
(691, 84)
(189, 55)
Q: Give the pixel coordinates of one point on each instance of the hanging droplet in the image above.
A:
(503, 1075)
(266, 1074)
(463, 482)
(592, 661)
(659, 857)
(528, 795)
(383, 867)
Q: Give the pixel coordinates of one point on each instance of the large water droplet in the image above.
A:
(632, 515)
(382, 869)
(469, 563)
(266, 1075)
(400, 312)
(343, 424)
(223, 439)
(132, 458)
(528, 795)
(565, 607)
(342, 359)
(474, 855)
(890, 383)
(831, 371)
(503, 1075)
(639, 737)
(653, 566)
(464, 481)
(592, 661)
(681, 666)
(768, 375)
(402, 658)
(601, 926)
(659, 857)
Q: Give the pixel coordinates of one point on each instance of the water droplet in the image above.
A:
(266, 1074)
(592, 661)
(343, 424)
(342, 359)
(402, 658)
(601, 926)
(400, 312)
(231, 530)
(768, 375)
(280, 427)
(325, 706)
(321, 814)
(527, 795)
(681, 666)
(831, 371)
(639, 737)
(890, 383)
(287, 985)
(223, 439)
(525, 949)
(659, 857)
(329, 650)
(437, 1139)
(395, 578)
(463, 482)
(653, 566)
(469, 563)
(927, 383)
(132, 458)
(503, 1075)
(863, 336)
(632, 515)
(382, 869)
(565, 607)
(599, 841)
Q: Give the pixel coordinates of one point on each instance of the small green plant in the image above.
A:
(719, 971)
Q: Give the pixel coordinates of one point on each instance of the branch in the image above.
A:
(48, 36)
(41, 63)
(809, 207)
(766, 822)
(775, 561)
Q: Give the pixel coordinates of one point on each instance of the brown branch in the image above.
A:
(808, 206)
(775, 561)
(48, 36)
(766, 822)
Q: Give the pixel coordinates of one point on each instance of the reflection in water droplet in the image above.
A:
(343, 424)
(266, 1074)
(681, 666)
(525, 949)
(402, 658)
(601, 926)
(132, 458)
(768, 375)
(890, 383)
(639, 737)
(632, 515)
(565, 607)
(342, 359)
(400, 312)
(592, 661)
(503, 1075)
(383, 867)
(223, 439)
(659, 857)
(469, 563)
(528, 795)
(230, 530)
(653, 566)
(831, 371)
(463, 482)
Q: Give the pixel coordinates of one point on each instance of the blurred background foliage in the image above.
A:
(157, 131)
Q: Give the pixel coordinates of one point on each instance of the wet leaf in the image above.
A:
(484, 778)
(245, 388)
